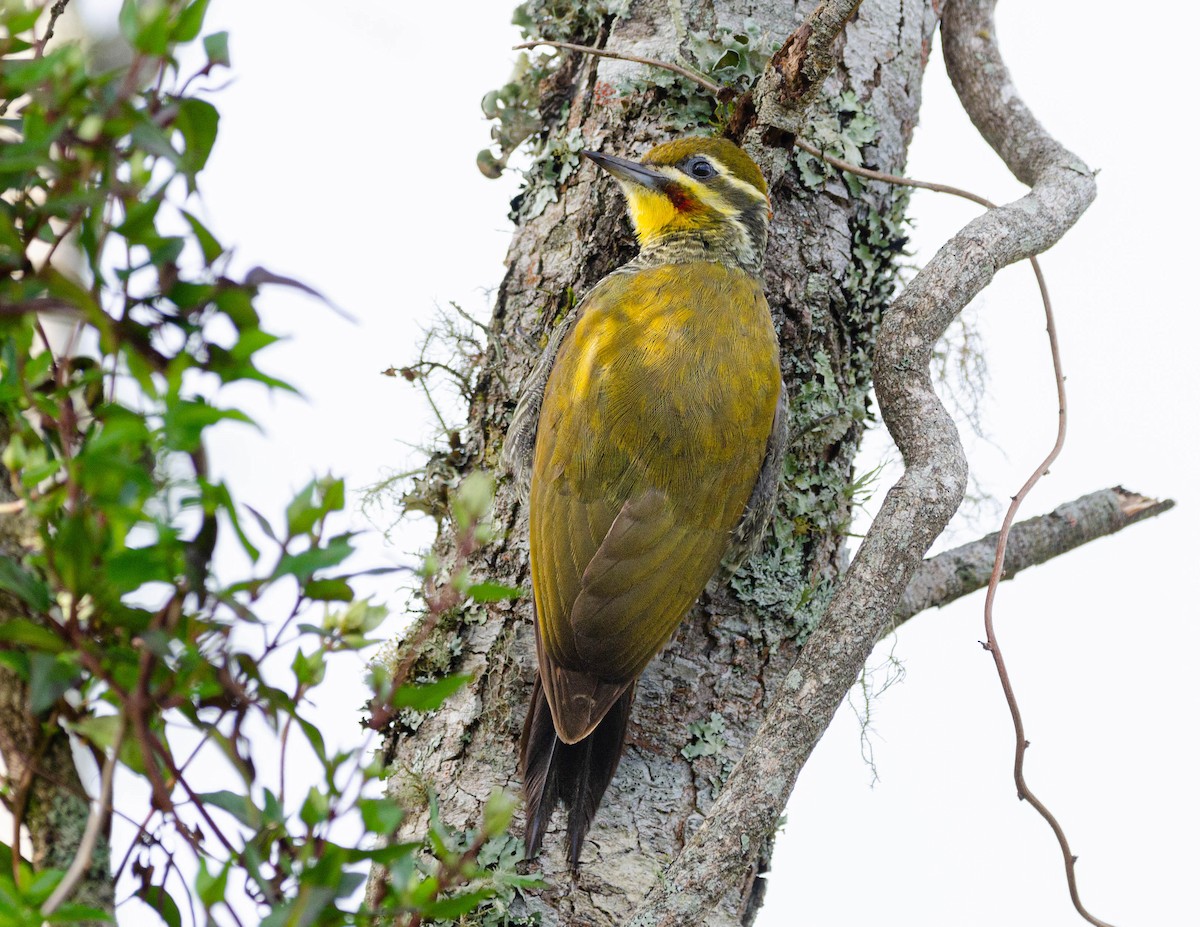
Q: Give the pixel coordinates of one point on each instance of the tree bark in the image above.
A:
(830, 271)
(38, 760)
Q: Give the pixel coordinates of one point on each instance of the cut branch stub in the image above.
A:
(955, 573)
(794, 76)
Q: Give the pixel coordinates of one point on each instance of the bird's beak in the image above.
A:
(630, 171)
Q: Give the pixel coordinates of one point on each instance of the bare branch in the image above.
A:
(914, 512)
(56, 10)
(958, 572)
(679, 69)
(892, 178)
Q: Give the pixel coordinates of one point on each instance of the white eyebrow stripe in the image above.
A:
(732, 178)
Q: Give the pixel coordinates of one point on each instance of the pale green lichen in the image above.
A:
(708, 740)
(731, 58)
(831, 405)
(530, 109)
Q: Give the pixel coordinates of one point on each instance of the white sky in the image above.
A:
(346, 158)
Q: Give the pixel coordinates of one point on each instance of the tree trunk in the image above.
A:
(45, 788)
(830, 271)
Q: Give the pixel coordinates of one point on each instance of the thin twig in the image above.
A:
(993, 646)
(91, 832)
(56, 11)
(985, 88)
(700, 79)
(892, 178)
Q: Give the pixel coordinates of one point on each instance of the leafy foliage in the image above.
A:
(120, 328)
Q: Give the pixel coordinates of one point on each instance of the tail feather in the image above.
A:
(577, 775)
(538, 748)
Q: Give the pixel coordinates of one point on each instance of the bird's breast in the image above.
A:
(669, 379)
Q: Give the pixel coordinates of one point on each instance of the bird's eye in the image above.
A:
(700, 169)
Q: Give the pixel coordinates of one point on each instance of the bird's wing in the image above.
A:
(653, 427)
(761, 507)
(622, 605)
(646, 574)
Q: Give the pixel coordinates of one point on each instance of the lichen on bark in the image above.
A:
(831, 267)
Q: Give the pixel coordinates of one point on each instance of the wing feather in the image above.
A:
(651, 435)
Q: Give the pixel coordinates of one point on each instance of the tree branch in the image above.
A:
(59, 7)
(914, 512)
(679, 69)
(966, 569)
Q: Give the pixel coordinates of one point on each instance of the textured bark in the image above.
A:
(959, 572)
(730, 657)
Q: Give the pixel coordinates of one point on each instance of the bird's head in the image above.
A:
(700, 190)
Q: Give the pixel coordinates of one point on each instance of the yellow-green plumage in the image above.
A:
(658, 409)
(651, 434)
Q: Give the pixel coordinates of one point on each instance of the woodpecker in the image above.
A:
(648, 441)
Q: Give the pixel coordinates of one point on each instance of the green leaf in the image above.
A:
(473, 500)
(24, 585)
(102, 731)
(263, 524)
(79, 913)
(381, 815)
(224, 500)
(163, 904)
(498, 812)
(315, 808)
(185, 420)
(493, 592)
(314, 502)
(187, 26)
(211, 888)
(19, 20)
(240, 806)
(303, 511)
(209, 246)
(303, 910)
(40, 887)
(349, 882)
(429, 695)
(313, 736)
(50, 677)
(127, 19)
(304, 564)
(360, 618)
(309, 669)
(272, 810)
(151, 139)
(32, 635)
(134, 567)
(216, 48)
(197, 122)
(450, 908)
(329, 590)
(139, 219)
